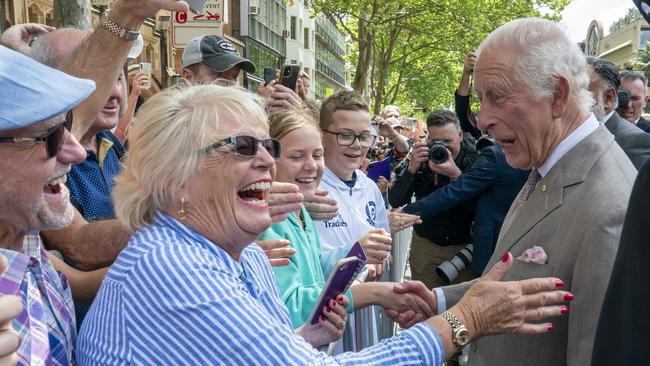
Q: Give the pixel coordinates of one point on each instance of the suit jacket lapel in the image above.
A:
(571, 169)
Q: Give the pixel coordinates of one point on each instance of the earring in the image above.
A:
(182, 214)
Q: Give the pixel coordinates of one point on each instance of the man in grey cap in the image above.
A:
(208, 58)
(37, 151)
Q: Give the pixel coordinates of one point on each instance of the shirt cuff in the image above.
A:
(442, 302)
(427, 340)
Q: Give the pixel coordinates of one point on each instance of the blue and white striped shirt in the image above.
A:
(174, 298)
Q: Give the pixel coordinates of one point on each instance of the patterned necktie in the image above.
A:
(528, 188)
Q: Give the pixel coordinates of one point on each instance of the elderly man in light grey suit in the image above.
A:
(532, 82)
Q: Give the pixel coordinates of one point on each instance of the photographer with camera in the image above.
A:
(434, 164)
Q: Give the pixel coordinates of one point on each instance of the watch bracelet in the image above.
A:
(112, 26)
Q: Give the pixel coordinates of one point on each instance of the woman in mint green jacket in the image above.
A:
(300, 282)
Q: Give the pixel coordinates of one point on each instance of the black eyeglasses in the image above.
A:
(53, 139)
(347, 138)
(246, 146)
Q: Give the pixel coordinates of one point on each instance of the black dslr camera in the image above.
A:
(438, 153)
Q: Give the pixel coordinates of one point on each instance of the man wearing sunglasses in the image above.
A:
(37, 150)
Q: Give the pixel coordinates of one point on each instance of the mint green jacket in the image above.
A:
(301, 282)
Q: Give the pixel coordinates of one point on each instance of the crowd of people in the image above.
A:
(201, 228)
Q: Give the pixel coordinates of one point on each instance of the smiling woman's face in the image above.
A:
(302, 162)
(227, 199)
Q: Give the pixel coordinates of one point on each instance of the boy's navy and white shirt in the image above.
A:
(361, 208)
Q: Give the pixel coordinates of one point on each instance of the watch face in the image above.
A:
(462, 336)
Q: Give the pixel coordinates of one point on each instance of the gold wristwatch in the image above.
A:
(460, 333)
(109, 24)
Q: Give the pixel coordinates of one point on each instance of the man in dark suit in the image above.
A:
(624, 331)
(604, 82)
(637, 84)
(494, 184)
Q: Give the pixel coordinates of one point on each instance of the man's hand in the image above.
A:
(283, 198)
(376, 244)
(140, 10)
(419, 154)
(386, 128)
(277, 251)
(10, 307)
(470, 60)
(283, 98)
(399, 220)
(408, 318)
(321, 207)
(19, 36)
(448, 168)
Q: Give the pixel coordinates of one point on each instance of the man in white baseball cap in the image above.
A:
(208, 58)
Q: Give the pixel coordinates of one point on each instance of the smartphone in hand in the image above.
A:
(269, 75)
(289, 76)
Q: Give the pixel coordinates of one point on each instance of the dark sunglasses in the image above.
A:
(53, 139)
(246, 146)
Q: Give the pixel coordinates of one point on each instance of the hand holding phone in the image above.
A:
(289, 76)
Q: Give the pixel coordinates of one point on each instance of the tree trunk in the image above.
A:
(365, 57)
(72, 14)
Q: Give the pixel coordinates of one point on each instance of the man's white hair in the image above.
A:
(543, 51)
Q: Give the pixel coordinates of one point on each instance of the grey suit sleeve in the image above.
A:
(453, 293)
(591, 273)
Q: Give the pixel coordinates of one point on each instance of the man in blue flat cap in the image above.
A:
(37, 149)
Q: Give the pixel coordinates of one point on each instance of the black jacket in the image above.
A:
(643, 124)
(451, 227)
(630, 138)
(624, 330)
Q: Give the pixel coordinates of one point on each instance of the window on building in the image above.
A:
(306, 42)
(293, 28)
(644, 37)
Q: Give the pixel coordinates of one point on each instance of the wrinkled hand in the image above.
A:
(138, 83)
(376, 244)
(419, 154)
(277, 251)
(321, 207)
(330, 326)
(283, 198)
(408, 318)
(411, 299)
(468, 65)
(10, 307)
(448, 168)
(494, 307)
(19, 36)
(399, 220)
(283, 98)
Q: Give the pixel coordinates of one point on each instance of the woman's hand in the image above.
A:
(399, 220)
(283, 198)
(494, 307)
(321, 207)
(10, 308)
(277, 251)
(330, 326)
(376, 244)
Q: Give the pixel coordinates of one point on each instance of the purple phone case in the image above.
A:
(341, 279)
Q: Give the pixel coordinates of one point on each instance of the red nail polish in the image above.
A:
(322, 318)
(559, 284)
(505, 257)
(550, 327)
(333, 304)
(568, 297)
(340, 298)
(327, 309)
(564, 309)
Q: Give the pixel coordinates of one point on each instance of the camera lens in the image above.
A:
(438, 152)
(287, 71)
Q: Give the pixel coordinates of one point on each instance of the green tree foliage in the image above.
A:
(632, 15)
(410, 52)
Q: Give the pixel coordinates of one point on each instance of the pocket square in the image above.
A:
(534, 255)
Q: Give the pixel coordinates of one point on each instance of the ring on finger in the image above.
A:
(340, 325)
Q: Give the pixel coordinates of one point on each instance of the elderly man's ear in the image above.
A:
(561, 97)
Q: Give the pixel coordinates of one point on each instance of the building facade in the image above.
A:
(620, 46)
(301, 38)
(330, 58)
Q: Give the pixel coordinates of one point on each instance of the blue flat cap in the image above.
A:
(31, 92)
